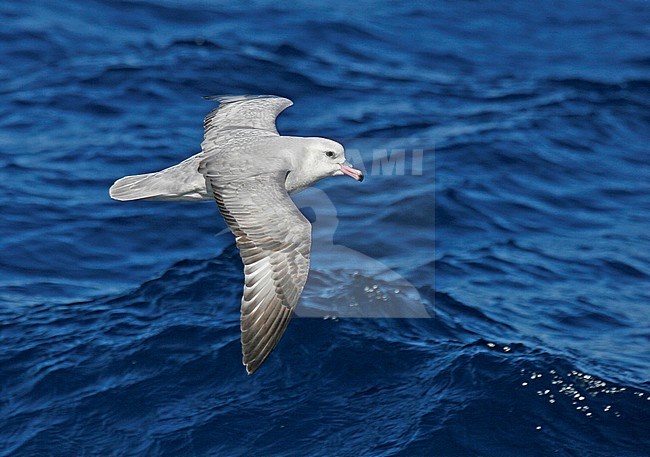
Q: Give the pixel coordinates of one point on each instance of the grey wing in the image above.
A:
(242, 116)
(274, 241)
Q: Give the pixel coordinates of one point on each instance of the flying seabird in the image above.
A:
(250, 170)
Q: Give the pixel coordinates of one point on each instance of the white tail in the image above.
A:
(138, 187)
(182, 182)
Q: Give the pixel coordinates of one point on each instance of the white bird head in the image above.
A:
(319, 159)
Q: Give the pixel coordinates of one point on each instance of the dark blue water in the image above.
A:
(526, 236)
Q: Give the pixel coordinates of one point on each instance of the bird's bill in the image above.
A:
(348, 169)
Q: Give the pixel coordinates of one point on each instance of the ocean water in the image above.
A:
(524, 240)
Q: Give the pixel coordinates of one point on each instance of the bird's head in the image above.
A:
(315, 159)
(327, 158)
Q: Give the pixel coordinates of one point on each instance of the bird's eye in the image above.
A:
(329, 153)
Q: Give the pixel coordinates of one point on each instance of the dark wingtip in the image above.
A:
(251, 368)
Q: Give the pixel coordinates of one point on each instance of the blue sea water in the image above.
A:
(526, 236)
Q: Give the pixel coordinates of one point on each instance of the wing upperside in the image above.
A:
(274, 241)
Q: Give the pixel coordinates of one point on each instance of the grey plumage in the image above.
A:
(275, 252)
(249, 170)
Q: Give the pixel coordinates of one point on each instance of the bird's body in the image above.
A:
(249, 169)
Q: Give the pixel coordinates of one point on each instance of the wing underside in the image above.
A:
(255, 114)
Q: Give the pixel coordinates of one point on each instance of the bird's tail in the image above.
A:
(137, 187)
(182, 182)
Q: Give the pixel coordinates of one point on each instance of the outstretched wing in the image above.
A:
(274, 240)
(242, 112)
